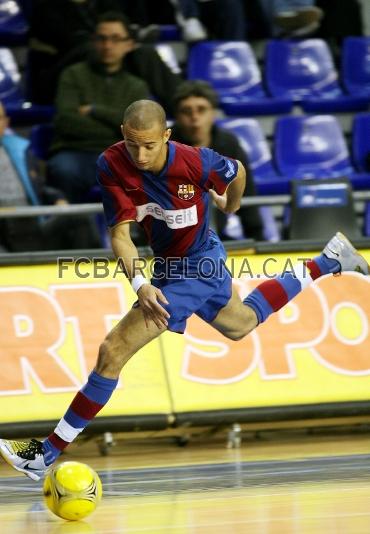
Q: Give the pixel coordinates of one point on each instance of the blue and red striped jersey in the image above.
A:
(171, 206)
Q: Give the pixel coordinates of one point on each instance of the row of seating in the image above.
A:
(298, 72)
(304, 147)
(311, 146)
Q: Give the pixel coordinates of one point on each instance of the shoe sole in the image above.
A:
(299, 19)
(364, 265)
(32, 476)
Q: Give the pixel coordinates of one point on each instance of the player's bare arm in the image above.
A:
(148, 295)
(229, 202)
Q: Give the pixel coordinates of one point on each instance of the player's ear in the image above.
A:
(167, 134)
(122, 132)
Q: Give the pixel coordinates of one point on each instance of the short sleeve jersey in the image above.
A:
(171, 206)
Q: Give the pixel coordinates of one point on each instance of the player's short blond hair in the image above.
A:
(144, 114)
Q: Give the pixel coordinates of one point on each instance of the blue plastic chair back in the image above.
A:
(361, 141)
(9, 78)
(356, 65)
(301, 69)
(229, 66)
(311, 147)
(367, 220)
(253, 142)
(13, 25)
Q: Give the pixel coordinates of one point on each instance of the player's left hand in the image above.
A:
(219, 200)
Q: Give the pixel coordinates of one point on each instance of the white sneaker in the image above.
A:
(341, 249)
(193, 30)
(24, 456)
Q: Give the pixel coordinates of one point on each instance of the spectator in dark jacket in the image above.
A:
(61, 32)
(92, 97)
(195, 104)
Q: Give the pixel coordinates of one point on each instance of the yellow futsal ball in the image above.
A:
(72, 490)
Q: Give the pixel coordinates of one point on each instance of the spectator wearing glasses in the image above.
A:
(91, 97)
(54, 45)
(217, 19)
(195, 104)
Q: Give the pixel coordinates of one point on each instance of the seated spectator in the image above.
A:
(221, 19)
(293, 18)
(141, 20)
(195, 104)
(92, 97)
(22, 185)
(54, 45)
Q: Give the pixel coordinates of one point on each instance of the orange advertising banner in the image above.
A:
(316, 349)
(50, 332)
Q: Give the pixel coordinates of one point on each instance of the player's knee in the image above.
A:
(111, 357)
(238, 333)
(235, 335)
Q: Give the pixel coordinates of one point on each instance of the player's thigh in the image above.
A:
(129, 336)
(235, 320)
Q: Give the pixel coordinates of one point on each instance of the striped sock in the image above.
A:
(86, 404)
(272, 295)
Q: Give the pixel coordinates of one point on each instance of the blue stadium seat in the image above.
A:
(13, 25)
(361, 141)
(232, 70)
(267, 181)
(311, 147)
(361, 150)
(9, 78)
(367, 220)
(360, 154)
(356, 65)
(305, 70)
(11, 95)
(255, 145)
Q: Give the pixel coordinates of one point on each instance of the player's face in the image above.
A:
(195, 115)
(112, 43)
(147, 148)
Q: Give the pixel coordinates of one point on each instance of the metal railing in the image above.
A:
(74, 209)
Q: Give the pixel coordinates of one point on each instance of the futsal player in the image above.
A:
(166, 187)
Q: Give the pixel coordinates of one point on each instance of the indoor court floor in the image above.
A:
(276, 483)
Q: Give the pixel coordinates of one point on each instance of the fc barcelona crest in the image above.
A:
(185, 191)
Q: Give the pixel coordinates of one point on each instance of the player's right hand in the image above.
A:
(149, 296)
